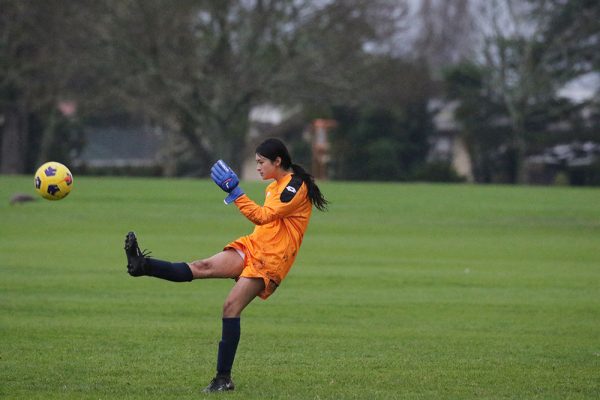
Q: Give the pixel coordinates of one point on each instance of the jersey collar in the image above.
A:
(283, 177)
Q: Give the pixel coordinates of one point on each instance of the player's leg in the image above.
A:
(243, 292)
(226, 264)
(139, 264)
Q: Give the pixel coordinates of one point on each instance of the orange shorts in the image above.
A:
(251, 271)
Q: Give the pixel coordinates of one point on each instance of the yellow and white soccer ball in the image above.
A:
(53, 181)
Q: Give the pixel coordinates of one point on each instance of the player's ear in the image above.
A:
(277, 162)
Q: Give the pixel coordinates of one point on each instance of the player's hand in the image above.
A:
(224, 176)
(227, 180)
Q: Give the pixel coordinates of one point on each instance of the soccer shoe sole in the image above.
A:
(135, 258)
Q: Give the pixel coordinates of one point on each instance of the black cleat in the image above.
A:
(219, 384)
(136, 259)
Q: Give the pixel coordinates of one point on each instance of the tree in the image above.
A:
(444, 33)
(37, 71)
(384, 136)
(22, 62)
(523, 63)
(195, 67)
(510, 101)
(200, 66)
(573, 30)
(573, 33)
(510, 38)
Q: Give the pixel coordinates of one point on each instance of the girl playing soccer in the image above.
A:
(259, 261)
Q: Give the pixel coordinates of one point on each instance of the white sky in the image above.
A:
(583, 88)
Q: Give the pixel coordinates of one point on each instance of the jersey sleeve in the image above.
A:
(277, 206)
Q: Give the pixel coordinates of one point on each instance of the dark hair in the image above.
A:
(273, 148)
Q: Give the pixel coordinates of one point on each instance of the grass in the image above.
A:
(400, 291)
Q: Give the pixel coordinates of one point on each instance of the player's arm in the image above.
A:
(276, 207)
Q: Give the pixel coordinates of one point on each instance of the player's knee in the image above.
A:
(201, 268)
(231, 309)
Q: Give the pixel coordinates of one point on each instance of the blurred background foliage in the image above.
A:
(522, 76)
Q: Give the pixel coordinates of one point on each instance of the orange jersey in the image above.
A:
(280, 225)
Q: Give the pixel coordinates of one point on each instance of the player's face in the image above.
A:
(266, 168)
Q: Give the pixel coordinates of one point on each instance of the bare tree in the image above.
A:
(22, 49)
(195, 67)
(199, 66)
(38, 69)
(512, 56)
(444, 31)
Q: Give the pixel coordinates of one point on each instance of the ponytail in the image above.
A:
(314, 193)
(273, 148)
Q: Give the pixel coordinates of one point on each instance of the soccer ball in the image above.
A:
(53, 181)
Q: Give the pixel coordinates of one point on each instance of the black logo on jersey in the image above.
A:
(291, 189)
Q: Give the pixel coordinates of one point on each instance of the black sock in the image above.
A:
(174, 272)
(228, 346)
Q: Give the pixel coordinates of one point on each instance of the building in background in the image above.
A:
(447, 145)
(134, 150)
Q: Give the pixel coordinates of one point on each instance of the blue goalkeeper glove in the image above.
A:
(227, 180)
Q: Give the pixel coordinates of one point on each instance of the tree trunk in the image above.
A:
(14, 141)
(234, 132)
(202, 157)
(48, 138)
(519, 149)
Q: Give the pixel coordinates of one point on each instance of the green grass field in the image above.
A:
(400, 291)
